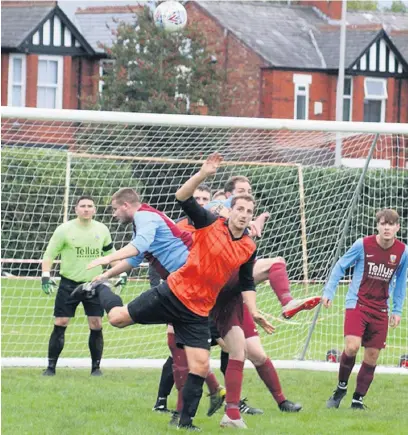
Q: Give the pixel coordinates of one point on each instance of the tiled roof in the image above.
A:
(18, 22)
(97, 23)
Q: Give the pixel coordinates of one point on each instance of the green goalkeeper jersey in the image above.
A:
(78, 245)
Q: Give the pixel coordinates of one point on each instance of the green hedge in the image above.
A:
(33, 188)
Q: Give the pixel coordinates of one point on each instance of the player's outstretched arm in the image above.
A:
(209, 168)
(126, 252)
(352, 256)
(120, 267)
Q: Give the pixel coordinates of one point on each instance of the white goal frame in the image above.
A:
(200, 122)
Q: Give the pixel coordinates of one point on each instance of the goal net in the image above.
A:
(304, 173)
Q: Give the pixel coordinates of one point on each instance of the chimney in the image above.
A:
(331, 8)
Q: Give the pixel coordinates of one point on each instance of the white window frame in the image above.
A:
(60, 78)
(101, 82)
(360, 163)
(11, 81)
(349, 97)
(302, 80)
(382, 98)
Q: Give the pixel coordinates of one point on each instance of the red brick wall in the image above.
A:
(32, 79)
(331, 8)
(404, 100)
(67, 83)
(241, 65)
(243, 92)
(278, 94)
(4, 78)
(89, 81)
(358, 99)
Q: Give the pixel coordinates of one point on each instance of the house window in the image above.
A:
(375, 98)
(17, 80)
(49, 85)
(347, 98)
(105, 67)
(302, 83)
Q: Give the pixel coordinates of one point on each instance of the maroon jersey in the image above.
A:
(379, 268)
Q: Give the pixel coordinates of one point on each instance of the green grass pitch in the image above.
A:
(27, 323)
(120, 403)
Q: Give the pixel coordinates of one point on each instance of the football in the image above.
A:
(170, 16)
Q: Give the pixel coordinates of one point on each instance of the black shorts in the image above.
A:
(214, 334)
(65, 306)
(160, 306)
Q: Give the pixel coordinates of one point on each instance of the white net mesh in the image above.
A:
(48, 164)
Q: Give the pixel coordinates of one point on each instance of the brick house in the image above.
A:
(282, 61)
(45, 60)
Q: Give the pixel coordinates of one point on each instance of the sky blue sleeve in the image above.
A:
(136, 260)
(400, 285)
(347, 260)
(215, 203)
(146, 225)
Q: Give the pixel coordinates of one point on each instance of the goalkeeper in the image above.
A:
(78, 241)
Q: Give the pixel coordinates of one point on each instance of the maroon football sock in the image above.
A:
(279, 281)
(270, 377)
(212, 383)
(233, 385)
(364, 378)
(346, 367)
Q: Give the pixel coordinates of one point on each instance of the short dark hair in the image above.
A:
(126, 194)
(84, 197)
(390, 216)
(204, 188)
(249, 198)
(218, 193)
(230, 184)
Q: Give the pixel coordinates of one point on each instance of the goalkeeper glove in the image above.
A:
(121, 282)
(47, 283)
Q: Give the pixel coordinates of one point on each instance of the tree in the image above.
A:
(357, 5)
(155, 71)
(397, 6)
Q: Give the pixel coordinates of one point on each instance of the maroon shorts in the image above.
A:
(369, 324)
(238, 316)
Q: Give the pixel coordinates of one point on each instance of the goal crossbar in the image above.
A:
(153, 119)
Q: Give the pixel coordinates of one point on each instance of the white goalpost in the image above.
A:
(51, 157)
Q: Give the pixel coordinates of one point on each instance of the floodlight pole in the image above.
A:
(340, 81)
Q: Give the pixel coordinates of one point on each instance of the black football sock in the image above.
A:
(55, 345)
(224, 362)
(95, 343)
(107, 298)
(166, 381)
(192, 392)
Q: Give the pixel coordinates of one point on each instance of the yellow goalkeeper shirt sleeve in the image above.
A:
(78, 245)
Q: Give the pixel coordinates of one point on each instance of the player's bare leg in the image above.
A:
(347, 361)
(119, 317)
(274, 270)
(365, 377)
(235, 342)
(266, 371)
(95, 343)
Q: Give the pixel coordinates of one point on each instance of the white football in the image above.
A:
(170, 16)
